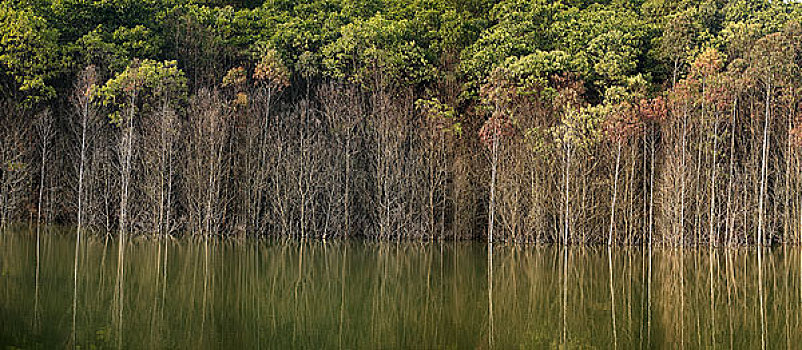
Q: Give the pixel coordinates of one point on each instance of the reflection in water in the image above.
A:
(75, 285)
(210, 293)
(36, 287)
(490, 294)
(711, 254)
(649, 294)
(119, 295)
(612, 291)
(564, 339)
(760, 295)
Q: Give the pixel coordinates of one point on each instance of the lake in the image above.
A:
(281, 293)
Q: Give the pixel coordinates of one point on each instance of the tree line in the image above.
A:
(572, 122)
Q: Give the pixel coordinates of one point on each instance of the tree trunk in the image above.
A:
(651, 191)
(493, 170)
(730, 220)
(45, 125)
(764, 167)
(682, 177)
(712, 217)
(615, 194)
(567, 214)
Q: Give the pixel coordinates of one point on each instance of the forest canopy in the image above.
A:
(546, 120)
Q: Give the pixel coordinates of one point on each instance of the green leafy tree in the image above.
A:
(378, 46)
(772, 63)
(29, 55)
(139, 87)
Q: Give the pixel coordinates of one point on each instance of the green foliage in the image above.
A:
(614, 55)
(138, 41)
(141, 84)
(536, 67)
(378, 46)
(580, 128)
(603, 44)
(96, 48)
(772, 60)
(236, 77)
(77, 17)
(422, 43)
(551, 76)
(521, 28)
(28, 55)
(440, 116)
(270, 70)
(12, 166)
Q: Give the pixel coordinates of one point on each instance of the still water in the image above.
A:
(251, 294)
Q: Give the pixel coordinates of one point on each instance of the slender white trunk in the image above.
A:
(127, 150)
(682, 177)
(209, 193)
(41, 186)
(787, 208)
(493, 171)
(645, 193)
(712, 218)
(764, 166)
(615, 194)
(651, 194)
(730, 220)
(567, 214)
(347, 189)
(299, 181)
(45, 134)
(167, 219)
(81, 166)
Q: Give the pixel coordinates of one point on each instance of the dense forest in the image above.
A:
(573, 122)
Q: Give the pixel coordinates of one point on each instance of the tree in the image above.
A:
(136, 89)
(85, 118)
(679, 37)
(344, 110)
(15, 173)
(205, 165)
(771, 63)
(86, 113)
(653, 112)
(577, 130)
(621, 126)
(706, 68)
(28, 55)
(270, 77)
(498, 95)
(378, 52)
(440, 128)
(45, 129)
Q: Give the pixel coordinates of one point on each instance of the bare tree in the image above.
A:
(86, 113)
(44, 128)
(14, 169)
(207, 132)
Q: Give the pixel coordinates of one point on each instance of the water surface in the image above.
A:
(278, 294)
